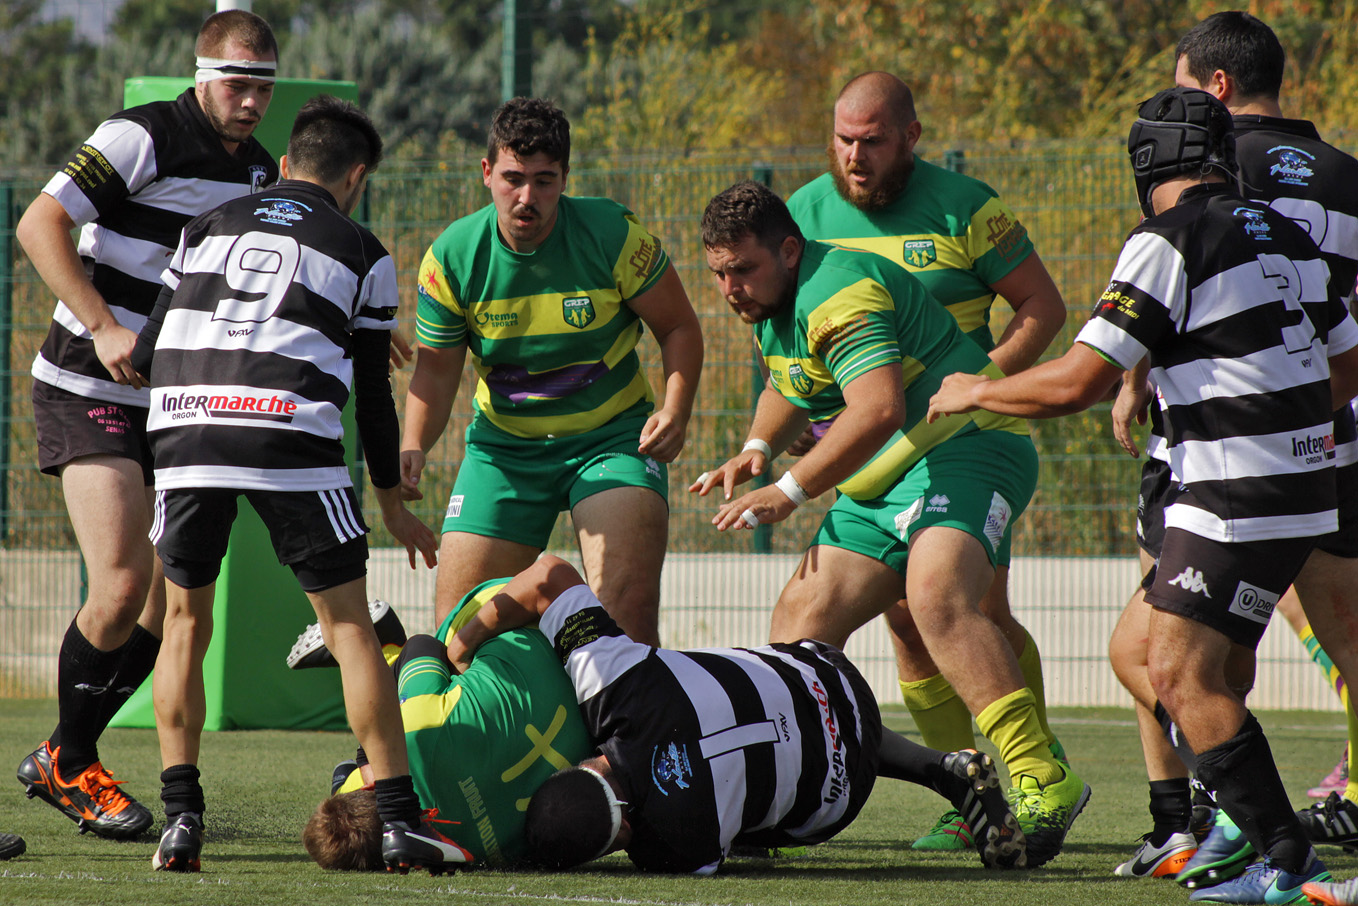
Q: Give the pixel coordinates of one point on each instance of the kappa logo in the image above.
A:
(938, 504)
(454, 506)
(1253, 603)
(1191, 580)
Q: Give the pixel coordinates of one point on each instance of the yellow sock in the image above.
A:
(1030, 663)
(1010, 722)
(943, 720)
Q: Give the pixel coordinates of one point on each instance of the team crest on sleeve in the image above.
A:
(919, 253)
(578, 311)
(670, 768)
(799, 379)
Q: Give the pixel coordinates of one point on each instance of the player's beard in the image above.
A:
(893, 182)
(227, 130)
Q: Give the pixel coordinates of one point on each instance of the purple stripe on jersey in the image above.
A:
(519, 385)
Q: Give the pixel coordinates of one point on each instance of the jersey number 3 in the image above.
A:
(260, 267)
(1286, 278)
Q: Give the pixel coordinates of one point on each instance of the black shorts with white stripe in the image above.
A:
(321, 535)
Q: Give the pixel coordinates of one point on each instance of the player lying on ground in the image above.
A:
(699, 751)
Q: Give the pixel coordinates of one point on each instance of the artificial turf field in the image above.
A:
(262, 785)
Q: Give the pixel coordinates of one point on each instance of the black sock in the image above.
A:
(396, 800)
(84, 676)
(901, 759)
(138, 658)
(1176, 738)
(1245, 780)
(180, 790)
(1171, 808)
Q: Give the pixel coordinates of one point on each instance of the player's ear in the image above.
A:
(283, 167)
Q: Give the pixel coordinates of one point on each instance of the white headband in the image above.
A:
(210, 68)
(614, 806)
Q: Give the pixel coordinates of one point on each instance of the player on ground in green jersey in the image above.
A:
(853, 341)
(480, 745)
(967, 247)
(549, 294)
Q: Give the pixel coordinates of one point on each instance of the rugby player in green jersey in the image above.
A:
(549, 294)
(481, 743)
(853, 340)
(967, 247)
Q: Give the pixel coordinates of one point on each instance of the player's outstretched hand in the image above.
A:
(759, 507)
(735, 471)
(407, 528)
(401, 351)
(1132, 405)
(803, 444)
(954, 395)
(662, 437)
(412, 466)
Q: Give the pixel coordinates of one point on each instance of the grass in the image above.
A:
(261, 786)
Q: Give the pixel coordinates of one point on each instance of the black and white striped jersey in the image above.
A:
(1285, 163)
(253, 339)
(1232, 302)
(132, 187)
(709, 745)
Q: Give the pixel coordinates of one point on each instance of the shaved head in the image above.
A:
(881, 92)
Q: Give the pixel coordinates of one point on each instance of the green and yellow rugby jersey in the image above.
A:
(482, 743)
(855, 312)
(949, 230)
(549, 331)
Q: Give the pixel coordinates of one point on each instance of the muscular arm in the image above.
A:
(874, 408)
(521, 602)
(666, 310)
(1063, 386)
(45, 233)
(429, 401)
(1039, 313)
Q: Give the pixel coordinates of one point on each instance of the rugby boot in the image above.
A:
(91, 799)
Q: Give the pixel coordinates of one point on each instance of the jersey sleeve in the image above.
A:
(641, 262)
(591, 646)
(440, 321)
(117, 161)
(378, 298)
(997, 241)
(854, 331)
(1145, 298)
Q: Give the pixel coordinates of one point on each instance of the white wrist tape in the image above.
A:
(789, 486)
(761, 445)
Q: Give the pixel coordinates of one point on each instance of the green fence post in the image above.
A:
(7, 222)
(955, 161)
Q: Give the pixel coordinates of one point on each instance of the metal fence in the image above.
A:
(1076, 200)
